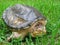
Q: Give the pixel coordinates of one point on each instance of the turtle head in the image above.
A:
(38, 28)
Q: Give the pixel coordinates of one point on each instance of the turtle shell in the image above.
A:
(19, 16)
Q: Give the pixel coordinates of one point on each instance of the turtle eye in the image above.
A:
(39, 25)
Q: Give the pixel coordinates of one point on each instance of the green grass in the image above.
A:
(49, 8)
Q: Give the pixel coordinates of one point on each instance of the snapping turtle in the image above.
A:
(23, 20)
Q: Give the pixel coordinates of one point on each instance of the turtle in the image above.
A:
(24, 19)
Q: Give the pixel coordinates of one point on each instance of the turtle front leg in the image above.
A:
(18, 34)
(14, 35)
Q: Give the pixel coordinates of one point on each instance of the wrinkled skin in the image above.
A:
(24, 19)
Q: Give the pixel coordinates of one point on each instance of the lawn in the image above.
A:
(49, 8)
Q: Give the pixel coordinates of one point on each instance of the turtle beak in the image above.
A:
(43, 29)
